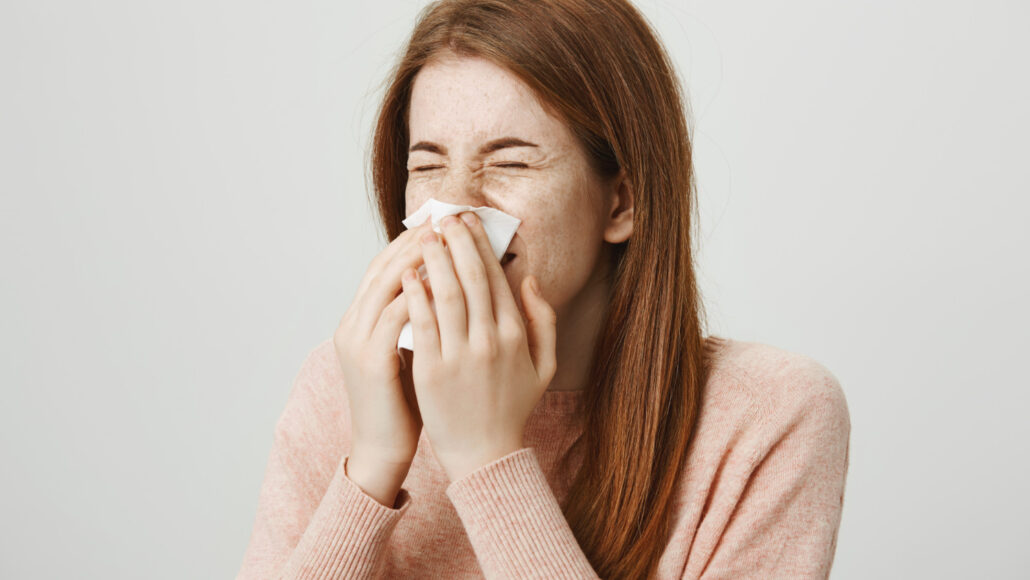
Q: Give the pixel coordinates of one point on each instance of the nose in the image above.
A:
(462, 187)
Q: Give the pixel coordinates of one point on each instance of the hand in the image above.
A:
(385, 419)
(478, 369)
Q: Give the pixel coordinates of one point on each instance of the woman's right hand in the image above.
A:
(385, 419)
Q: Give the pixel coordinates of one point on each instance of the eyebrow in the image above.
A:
(490, 147)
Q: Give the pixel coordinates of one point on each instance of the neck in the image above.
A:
(579, 325)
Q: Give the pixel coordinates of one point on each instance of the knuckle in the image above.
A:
(415, 249)
(510, 332)
(464, 232)
(376, 263)
(476, 275)
(424, 325)
(485, 348)
(448, 294)
(373, 282)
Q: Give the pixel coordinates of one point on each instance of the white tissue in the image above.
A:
(500, 229)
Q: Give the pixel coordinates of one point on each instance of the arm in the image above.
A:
(785, 523)
(312, 520)
(514, 522)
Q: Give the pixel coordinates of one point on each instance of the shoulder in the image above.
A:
(321, 360)
(764, 480)
(774, 388)
(317, 398)
(776, 378)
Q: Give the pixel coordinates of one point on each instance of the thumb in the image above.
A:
(541, 330)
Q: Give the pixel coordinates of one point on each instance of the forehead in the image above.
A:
(474, 98)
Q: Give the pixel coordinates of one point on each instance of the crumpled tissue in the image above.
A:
(500, 229)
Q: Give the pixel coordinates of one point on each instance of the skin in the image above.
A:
(474, 400)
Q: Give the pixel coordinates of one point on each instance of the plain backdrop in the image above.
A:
(184, 217)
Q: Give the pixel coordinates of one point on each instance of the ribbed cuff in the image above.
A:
(514, 522)
(347, 532)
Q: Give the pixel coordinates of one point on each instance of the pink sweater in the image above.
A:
(761, 497)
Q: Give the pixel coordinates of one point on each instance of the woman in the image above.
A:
(563, 416)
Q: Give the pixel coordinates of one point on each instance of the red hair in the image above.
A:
(600, 67)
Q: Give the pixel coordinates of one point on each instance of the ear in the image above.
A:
(619, 219)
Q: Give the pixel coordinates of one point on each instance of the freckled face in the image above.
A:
(460, 104)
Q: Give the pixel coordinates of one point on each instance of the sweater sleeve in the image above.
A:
(312, 520)
(785, 523)
(514, 522)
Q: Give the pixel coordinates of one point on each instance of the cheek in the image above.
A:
(414, 197)
(511, 183)
(561, 232)
(562, 252)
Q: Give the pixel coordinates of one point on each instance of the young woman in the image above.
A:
(562, 415)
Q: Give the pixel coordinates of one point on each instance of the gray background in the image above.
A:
(184, 217)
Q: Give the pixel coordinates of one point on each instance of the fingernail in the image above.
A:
(470, 218)
(429, 237)
(535, 286)
(448, 221)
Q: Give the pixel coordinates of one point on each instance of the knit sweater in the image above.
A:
(760, 496)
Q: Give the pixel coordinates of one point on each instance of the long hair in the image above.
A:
(599, 65)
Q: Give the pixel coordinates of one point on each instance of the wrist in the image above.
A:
(459, 467)
(379, 480)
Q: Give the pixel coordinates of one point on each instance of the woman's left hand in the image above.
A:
(477, 368)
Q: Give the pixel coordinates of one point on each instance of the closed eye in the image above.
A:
(505, 165)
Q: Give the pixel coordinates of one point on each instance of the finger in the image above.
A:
(468, 263)
(424, 335)
(405, 239)
(541, 331)
(500, 293)
(388, 330)
(447, 295)
(387, 284)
